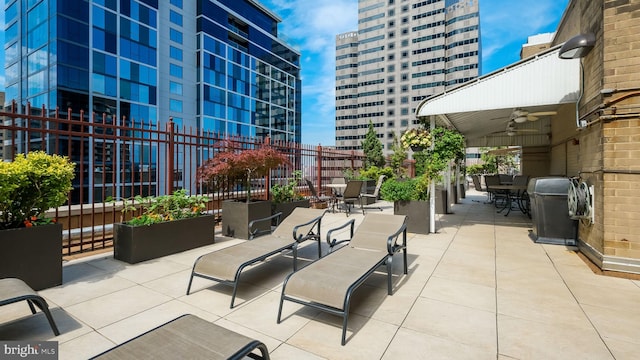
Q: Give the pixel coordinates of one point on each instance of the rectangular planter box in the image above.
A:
(236, 216)
(287, 208)
(32, 254)
(417, 212)
(133, 244)
(442, 204)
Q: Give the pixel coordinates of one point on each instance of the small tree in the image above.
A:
(233, 163)
(372, 148)
(398, 156)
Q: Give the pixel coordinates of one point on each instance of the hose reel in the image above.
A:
(580, 200)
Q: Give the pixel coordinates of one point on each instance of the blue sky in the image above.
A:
(311, 26)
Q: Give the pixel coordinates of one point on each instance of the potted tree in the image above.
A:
(410, 197)
(448, 145)
(161, 227)
(286, 197)
(234, 164)
(30, 243)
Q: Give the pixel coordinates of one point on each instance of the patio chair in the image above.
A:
(374, 196)
(188, 337)
(494, 195)
(328, 283)
(478, 186)
(318, 197)
(226, 265)
(13, 290)
(351, 195)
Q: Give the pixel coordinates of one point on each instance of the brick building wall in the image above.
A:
(609, 146)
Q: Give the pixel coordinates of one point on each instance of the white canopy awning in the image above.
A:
(481, 109)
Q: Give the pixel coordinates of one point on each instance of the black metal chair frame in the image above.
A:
(392, 248)
(311, 235)
(32, 299)
(351, 194)
(373, 196)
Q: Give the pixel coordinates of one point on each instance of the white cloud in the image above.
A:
(509, 23)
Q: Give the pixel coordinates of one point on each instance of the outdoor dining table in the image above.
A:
(337, 190)
(510, 191)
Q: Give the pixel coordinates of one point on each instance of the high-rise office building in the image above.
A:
(403, 52)
(215, 65)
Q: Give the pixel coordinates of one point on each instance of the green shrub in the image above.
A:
(289, 191)
(31, 185)
(157, 209)
(405, 190)
(374, 172)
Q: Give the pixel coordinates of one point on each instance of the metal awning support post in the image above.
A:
(432, 187)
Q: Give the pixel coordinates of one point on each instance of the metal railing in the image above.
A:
(121, 158)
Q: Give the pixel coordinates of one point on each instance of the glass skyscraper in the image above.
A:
(211, 65)
(402, 52)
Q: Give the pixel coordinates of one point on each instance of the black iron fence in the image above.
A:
(121, 158)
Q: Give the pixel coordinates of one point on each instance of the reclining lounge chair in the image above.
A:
(188, 337)
(328, 283)
(13, 290)
(226, 265)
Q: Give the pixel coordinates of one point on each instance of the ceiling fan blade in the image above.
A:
(532, 118)
(527, 130)
(543, 113)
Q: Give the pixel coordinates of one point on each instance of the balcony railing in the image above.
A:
(121, 158)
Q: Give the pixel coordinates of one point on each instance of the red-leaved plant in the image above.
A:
(231, 163)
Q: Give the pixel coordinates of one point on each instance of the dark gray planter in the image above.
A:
(463, 192)
(236, 216)
(286, 208)
(32, 254)
(133, 244)
(442, 204)
(417, 212)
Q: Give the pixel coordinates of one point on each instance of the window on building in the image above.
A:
(175, 18)
(405, 31)
(177, 3)
(392, 45)
(391, 79)
(405, 43)
(404, 123)
(391, 123)
(175, 35)
(391, 34)
(175, 53)
(391, 90)
(175, 88)
(404, 100)
(391, 57)
(404, 88)
(390, 112)
(404, 54)
(391, 68)
(392, 23)
(175, 105)
(404, 65)
(175, 70)
(405, 20)
(391, 101)
(404, 111)
(404, 77)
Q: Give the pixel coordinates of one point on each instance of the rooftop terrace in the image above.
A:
(479, 288)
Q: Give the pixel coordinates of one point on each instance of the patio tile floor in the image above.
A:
(479, 288)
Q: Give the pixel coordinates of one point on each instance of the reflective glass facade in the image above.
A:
(212, 65)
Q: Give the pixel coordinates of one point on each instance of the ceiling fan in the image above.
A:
(512, 130)
(520, 115)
